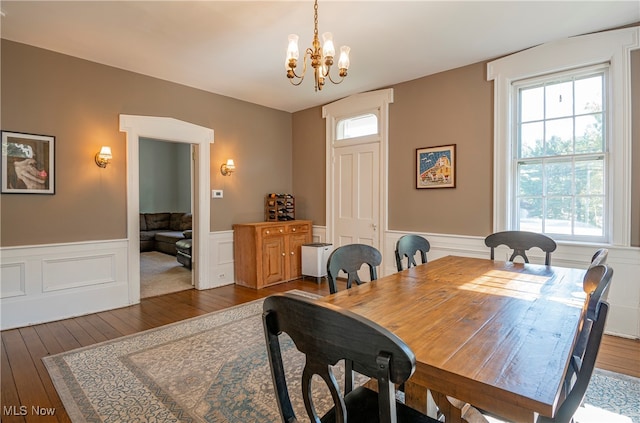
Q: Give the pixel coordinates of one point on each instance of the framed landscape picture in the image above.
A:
(27, 163)
(436, 167)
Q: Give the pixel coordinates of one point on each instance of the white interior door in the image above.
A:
(356, 193)
(356, 170)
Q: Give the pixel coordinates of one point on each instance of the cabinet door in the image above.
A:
(273, 259)
(295, 254)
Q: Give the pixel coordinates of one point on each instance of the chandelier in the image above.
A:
(321, 57)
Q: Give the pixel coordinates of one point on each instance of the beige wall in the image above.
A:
(453, 107)
(79, 102)
(309, 164)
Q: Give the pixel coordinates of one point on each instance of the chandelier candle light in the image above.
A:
(321, 57)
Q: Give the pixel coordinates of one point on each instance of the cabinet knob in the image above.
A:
(281, 230)
(294, 229)
(267, 232)
(283, 254)
(292, 253)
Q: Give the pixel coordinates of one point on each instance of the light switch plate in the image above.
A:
(216, 193)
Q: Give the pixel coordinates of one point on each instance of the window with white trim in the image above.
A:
(560, 155)
(541, 64)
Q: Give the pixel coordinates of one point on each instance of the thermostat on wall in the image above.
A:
(216, 193)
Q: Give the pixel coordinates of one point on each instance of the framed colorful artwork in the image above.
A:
(436, 167)
(28, 165)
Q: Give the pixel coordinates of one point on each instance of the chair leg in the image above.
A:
(348, 376)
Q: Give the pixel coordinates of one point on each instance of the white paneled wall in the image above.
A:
(51, 282)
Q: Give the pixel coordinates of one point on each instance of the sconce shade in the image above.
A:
(227, 168)
(103, 157)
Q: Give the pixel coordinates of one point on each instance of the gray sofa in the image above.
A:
(161, 231)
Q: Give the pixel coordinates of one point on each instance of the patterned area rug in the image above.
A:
(214, 368)
(611, 398)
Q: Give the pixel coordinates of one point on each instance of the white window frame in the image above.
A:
(603, 69)
(613, 47)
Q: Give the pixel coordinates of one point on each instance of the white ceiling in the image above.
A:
(237, 48)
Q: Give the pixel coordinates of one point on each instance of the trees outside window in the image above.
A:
(560, 156)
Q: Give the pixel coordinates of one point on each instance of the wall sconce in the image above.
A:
(103, 157)
(227, 168)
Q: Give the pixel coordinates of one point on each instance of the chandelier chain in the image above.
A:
(315, 18)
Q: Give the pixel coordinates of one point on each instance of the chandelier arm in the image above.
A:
(304, 68)
(331, 79)
(296, 83)
(293, 71)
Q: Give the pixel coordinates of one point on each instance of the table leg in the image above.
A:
(451, 412)
(415, 396)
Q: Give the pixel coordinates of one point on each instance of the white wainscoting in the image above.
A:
(52, 282)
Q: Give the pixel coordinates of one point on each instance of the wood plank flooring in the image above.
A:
(27, 388)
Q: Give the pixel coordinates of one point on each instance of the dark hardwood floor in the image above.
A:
(25, 382)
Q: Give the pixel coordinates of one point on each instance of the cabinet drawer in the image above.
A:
(273, 230)
(299, 228)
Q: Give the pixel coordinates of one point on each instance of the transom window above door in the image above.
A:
(357, 126)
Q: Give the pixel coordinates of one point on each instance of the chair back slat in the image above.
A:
(600, 257)
(408, 246)
(350, 258)
(520, 242)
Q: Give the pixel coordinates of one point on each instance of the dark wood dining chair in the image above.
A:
(596, 285)
(590, 283)
(599, 257)
(327, 334)
(408, 246)
(350, 258)
(520, 242)
(582, 377)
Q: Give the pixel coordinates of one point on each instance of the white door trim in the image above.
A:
(349, 106)
(169, 129)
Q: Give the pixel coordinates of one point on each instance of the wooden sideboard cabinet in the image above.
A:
(267, 253)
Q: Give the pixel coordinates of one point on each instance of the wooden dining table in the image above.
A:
(497, 335)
